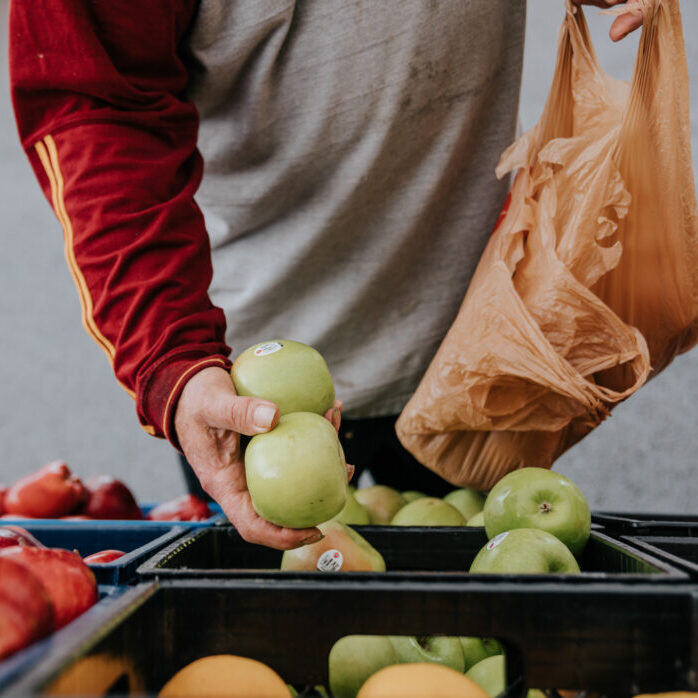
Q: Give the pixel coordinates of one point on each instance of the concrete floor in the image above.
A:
(59, 399)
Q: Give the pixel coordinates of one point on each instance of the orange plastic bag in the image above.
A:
(589, 284)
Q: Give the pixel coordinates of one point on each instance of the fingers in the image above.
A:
(243, 415)
(254, 529)
(334, 414)
(350, 472)
(250, 416)
(624, 25)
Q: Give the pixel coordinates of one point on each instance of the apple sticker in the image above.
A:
(268, 348)
(497, 540)
(330, 561)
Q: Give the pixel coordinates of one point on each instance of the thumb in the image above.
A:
(244, 415)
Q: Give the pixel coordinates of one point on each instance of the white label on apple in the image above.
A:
(268, 348)
(497, 540)
(330, 561)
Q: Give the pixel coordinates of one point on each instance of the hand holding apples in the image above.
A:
(209, 419)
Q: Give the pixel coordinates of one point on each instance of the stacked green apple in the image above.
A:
(381, 505)
(537, 521)
(490, 674)
(296, 473)
(355, 658)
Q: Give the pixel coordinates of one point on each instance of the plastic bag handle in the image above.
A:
(575, 45)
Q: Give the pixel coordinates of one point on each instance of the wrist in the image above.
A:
(163, 385)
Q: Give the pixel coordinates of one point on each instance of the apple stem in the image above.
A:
(545, 507)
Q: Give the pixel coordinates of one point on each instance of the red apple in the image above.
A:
(3, 492)
(48, 493)
(15, 535)
(25, 608)
(188, 507)
(68, 581)
(109, 498)
(76, 517)
(103, 556)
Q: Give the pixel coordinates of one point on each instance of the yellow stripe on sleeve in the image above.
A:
(48, 155)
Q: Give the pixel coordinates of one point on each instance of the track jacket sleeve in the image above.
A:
(97, 89)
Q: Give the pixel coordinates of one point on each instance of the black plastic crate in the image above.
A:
(631, 523)
(435, 553)
(137, 542)
(679, 551)
(612, 638)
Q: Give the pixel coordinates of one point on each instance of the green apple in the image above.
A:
(468, 502)
(490, 675)
(524, 551)
(353, 512)
(436, 649)
(342, 549)
(539, 498)
(291, 374)
(355, 658)
(475, 649)
(296, 473)
(411, 495)
(428, 511)
(477, 520)
(381, 502)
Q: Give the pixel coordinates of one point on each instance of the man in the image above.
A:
(349, 151)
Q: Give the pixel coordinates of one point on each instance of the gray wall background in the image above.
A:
(59, 399)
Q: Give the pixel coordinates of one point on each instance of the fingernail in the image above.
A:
(312, 539)
(264, 416)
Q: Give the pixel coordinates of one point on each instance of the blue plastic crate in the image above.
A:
(138, 543)
(24, 660)
(216, 517)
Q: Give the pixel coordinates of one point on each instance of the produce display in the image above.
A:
(41, 589)
(342, 548)
(54, 492)
(354, 659)
(536, 521)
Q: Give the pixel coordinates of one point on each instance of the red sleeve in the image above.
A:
(97, 88)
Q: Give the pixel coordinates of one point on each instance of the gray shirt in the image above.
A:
(349, 187)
